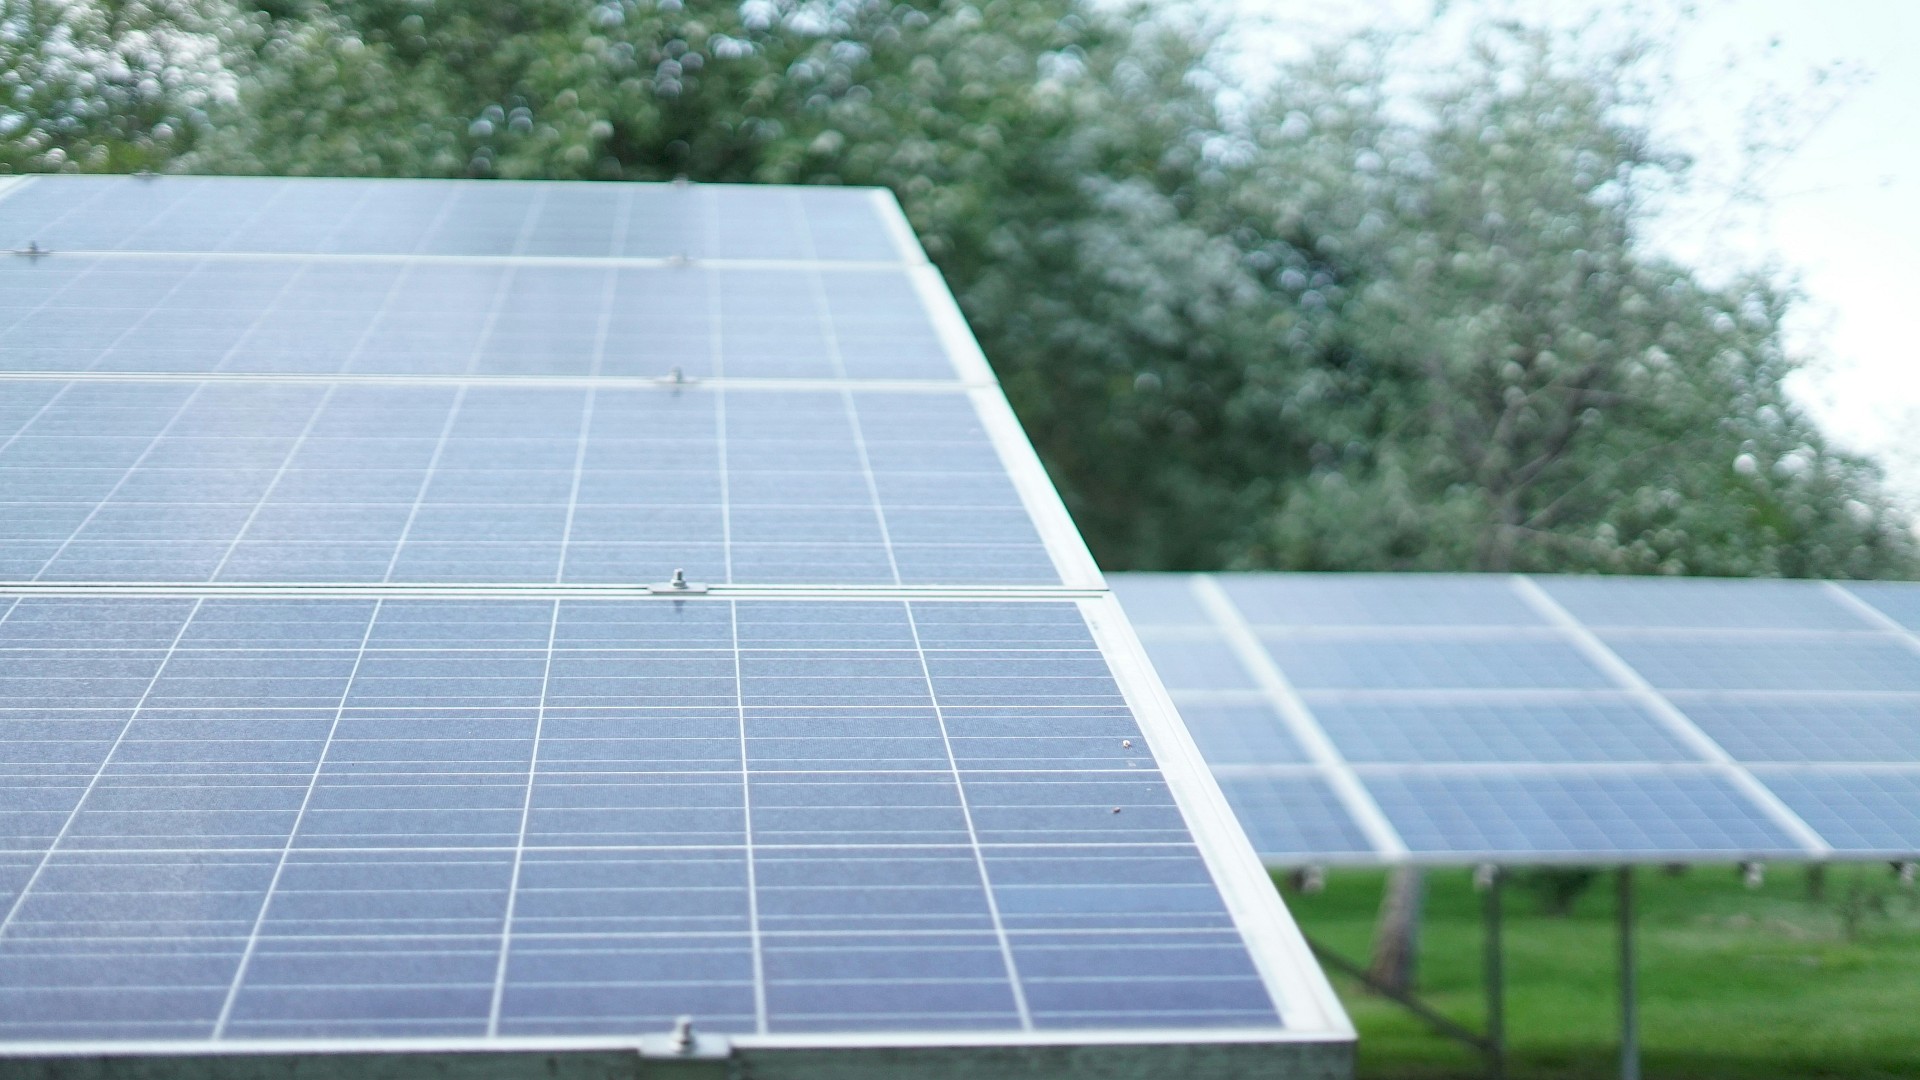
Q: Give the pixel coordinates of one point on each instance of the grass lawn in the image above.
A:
(1734, 982)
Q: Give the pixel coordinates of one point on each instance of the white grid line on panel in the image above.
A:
(66, 826)
(746, 806)
(1826, 768)
(1280, 953)
(35, 418)
(268, 206)
(582, 382)
(533, 211)
(1362, 633)
(1300, 721)
(426, 481)
(645, 849)
(1874, 615)
(125, 475)
(618, 262)
(937, 1040)
(622, 220)
(252, 324)
(520, 844)
(973, 837)
(589, 591)
(47, 300)
(1669, 715)
(832, 336)
(1491, 768)
(717, 356)
(77, 208)
(573, 491)
(293, 832)
(386, 304)
(279, 474)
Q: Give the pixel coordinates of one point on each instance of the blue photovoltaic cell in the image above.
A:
(1322, 600)
(1390, 732)
(1856, 810)
(270, 481)
(1244, 733)
(1898, 600)
(334, 317)
(1802, 708)
(1773, 663)
(440, 217)
(1198, 663)
(1435, 664)
(1828, 728)
(1160, 600)
(1292, 818)
(1575, 814)
(330, 817)
(1704, 603)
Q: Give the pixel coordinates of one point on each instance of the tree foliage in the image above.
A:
(108, 86)
(1342, 325)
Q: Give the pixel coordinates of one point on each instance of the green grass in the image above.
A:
(1734, 982)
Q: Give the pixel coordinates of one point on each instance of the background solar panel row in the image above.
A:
(340, 316)
(411, 217)
(514, 817)
(1480, 728)
(269, 481)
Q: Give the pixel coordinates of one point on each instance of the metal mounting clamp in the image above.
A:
(679, 586)
(685, 1044)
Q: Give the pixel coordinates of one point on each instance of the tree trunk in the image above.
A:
(1396, 939)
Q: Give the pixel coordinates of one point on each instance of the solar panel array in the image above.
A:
(1475, 718)
(338, 710)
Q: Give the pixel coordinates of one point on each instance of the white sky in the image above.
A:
(1840, 215)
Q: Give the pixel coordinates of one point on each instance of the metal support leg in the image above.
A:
(1495, 982)
(1629, 995)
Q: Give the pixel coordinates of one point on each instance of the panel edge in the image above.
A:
(1300, 990)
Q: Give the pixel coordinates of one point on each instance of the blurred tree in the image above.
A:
(1519, 383)
(1344, 325)
(105, 85)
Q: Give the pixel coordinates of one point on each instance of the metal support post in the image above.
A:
(1629, 995)
(1495, 980)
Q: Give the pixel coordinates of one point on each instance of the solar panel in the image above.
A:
(599, 779)
(202, 214)
(1295, 818)
(1896, 600)
(182, 480)
(1323, 600)
(1702, 603)
(1540, 731)
(1776, 663)
(1810, 727)
(1199, 663)
(1547, 718)
(1576, 815)
(335, 717)
(339, 316)
(1861, 812)
(1386, 664)
(1247, 732)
